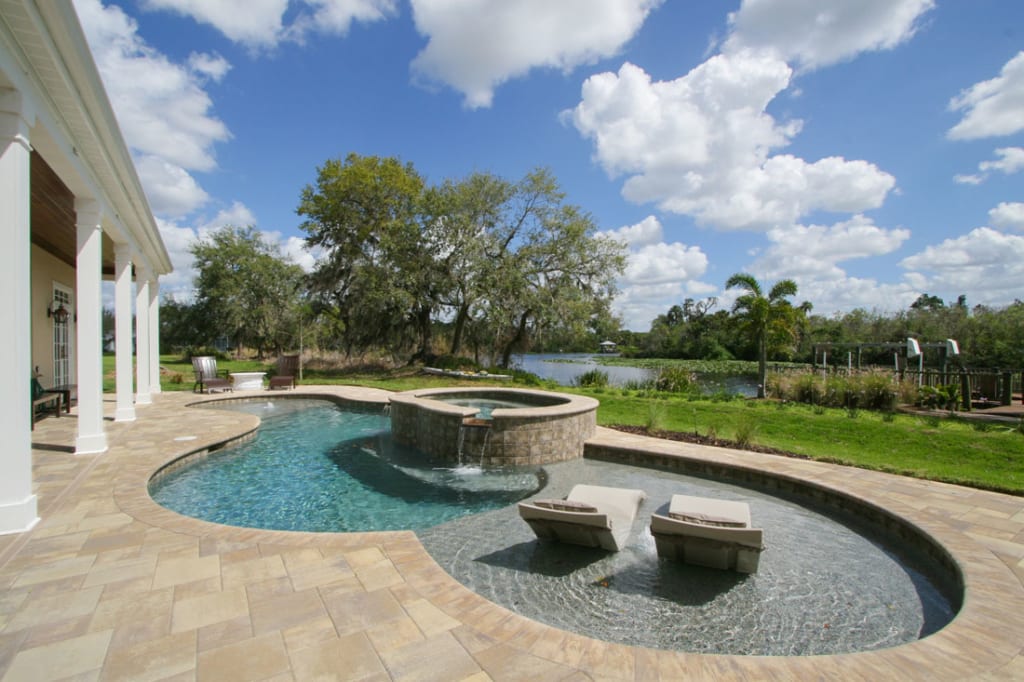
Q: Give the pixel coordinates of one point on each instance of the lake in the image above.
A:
(564, 368)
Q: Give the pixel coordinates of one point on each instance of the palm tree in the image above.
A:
(767, 319)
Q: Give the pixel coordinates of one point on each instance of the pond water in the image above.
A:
(564, 368)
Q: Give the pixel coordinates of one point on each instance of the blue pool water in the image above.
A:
(487, 406)
(316, 467)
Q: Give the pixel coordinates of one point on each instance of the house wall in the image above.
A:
(45, 271)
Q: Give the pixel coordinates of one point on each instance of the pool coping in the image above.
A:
(982, 531)
(965, 646)
(569, 404)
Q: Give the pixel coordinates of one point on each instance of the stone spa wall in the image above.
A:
(551, 428)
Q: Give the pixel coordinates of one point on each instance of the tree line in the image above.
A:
(989, 337)
(480, 265)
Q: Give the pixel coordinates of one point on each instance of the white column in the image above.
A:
(154, 335)
(89, 275)
(17, 503)
(123, 332)
(142, 368)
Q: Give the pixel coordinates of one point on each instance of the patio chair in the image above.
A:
(207, 376)
(708, 532)
(43, 400)
(287, 368)
(590, 515)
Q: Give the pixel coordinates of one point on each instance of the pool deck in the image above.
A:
(110, 586)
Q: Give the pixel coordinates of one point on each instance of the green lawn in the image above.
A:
(989, 456)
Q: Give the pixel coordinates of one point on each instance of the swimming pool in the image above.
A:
(317, 467)
(824, 586)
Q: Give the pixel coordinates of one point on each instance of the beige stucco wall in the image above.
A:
(45, 271)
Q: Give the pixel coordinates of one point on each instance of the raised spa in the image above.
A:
(494, 427)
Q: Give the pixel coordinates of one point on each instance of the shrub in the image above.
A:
(938, 397)
(676, 380)
(200, 351)
(655, 417)
(456, 362)
(593, 378)
(640, 385)
(873, 390)
(745, 430)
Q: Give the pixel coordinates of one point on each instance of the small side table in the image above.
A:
(65, 390)
(247, 381)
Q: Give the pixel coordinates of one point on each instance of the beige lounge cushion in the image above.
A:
(598, 516)
(567, 505)
(736, 513)
(707, 519)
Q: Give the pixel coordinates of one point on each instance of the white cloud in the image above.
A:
(236, 215)
(335, 17)
(665, 263)
(259, 24)
(812, 252)
(295, 249)
(162, 108)
(985, 264)
(657, 275)
(476, 45)
(1008, 214)
(639, 304)
(994, 107)
(831, 296)
(178, 240)
(255, 23)
(1011, 159)
(975, 179)
(170, 189)
(647, 231)
(212, 66)
(700, 145)
(813, 34)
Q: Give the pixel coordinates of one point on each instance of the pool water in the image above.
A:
(823, 586)
(317, 467)
(487, 406)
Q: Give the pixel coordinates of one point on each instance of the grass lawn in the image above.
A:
(982, 455)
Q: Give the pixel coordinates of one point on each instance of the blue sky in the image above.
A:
(871, 150)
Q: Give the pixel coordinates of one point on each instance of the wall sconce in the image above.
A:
(59, 314)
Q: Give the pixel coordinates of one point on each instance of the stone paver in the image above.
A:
(111, 586)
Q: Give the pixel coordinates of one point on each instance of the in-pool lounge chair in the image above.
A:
(207, 376)
(590, 515)
(708, 532)
(287, 368)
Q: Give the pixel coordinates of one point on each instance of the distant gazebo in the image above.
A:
(608, 346)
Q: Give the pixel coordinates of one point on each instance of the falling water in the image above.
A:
(461, 441)
(483, 446)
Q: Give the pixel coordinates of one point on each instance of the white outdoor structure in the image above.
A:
(72, 212)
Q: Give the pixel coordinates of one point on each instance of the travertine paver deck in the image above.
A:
(111, 586)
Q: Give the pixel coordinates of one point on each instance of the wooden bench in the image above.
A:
(40, 404)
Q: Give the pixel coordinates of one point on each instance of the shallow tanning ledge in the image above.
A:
(494, 427)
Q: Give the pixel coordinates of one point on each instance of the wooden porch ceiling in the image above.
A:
(53, 216)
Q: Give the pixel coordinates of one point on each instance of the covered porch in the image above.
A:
(73, 213)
